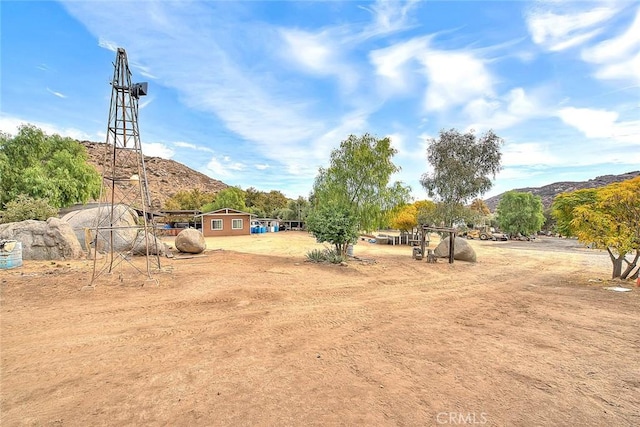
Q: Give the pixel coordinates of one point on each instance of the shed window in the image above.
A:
(216, 224)
(236, 224)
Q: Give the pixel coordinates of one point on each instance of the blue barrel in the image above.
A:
(253, 230)
(277, 229)
(10, 254)
(263, 229)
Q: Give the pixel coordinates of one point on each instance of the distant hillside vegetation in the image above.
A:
(165, 177)
(549, 192)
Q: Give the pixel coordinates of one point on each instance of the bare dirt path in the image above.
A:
(251, 334)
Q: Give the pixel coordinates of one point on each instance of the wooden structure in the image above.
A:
(226, 222)
(425, 230)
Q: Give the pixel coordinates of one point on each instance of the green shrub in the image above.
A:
(25, 207)
(325, 255)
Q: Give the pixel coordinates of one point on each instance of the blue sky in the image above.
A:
(258, 93)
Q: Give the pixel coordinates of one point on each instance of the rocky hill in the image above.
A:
(548, 192)
(165, 177)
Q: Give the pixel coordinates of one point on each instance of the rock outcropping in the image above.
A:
(165, 177)
(52, 239)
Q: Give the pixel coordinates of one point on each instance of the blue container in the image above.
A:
(263, 229)
(277, 229)
(253, 230)
(10, 254)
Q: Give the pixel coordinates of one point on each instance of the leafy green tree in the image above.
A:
(427, 212)
(230, 197)
(274, 201)
(24, 207)
(358, 179)
(300, 207)
(42, 166)
(255, 198)
(285, 214)
(462, 165)
(608, 217)
(334, 224)
(193, 199)
(520, 213)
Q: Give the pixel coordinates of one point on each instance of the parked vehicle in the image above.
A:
(485, 233)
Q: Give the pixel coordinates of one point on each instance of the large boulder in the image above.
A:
(125, 227)
(462, 250)
(190, 241)
(156, 246)
(52, 239)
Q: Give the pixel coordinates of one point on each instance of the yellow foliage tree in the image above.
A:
(406, 218)
(611, 220)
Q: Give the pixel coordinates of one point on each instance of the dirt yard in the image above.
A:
(251, 334)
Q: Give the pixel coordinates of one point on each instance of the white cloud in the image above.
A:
(618, 57)
(601, 124)
(265, 115)
(157, 149)
(504, 112)
(319, 54)
(393, 64)
(454, 76)
(142, 70)
(181, 144)
(559, 31)
(224, 167)
(388, 17)
(107, 44)
(527, 154)
(144, 103)
(58, 94)
(262, 167)
(10, 125)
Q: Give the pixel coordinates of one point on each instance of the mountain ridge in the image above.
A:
(548, 192)
(165, 177)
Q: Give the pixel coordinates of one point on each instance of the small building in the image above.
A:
(226, 222)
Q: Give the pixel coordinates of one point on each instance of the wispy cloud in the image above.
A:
(107, 44)
(388, 17)
(157, 149)
(618, 57)
(453, 77)
(55, 93)
(506, 111)
(601, 124)
(181, 144)
(318, 54)
(528, 154)
(223, 167)
(10, 125)
(556, 26)
(145, 102)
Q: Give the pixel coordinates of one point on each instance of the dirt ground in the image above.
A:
(251, 334)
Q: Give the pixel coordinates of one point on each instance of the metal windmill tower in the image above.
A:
(125, 191)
